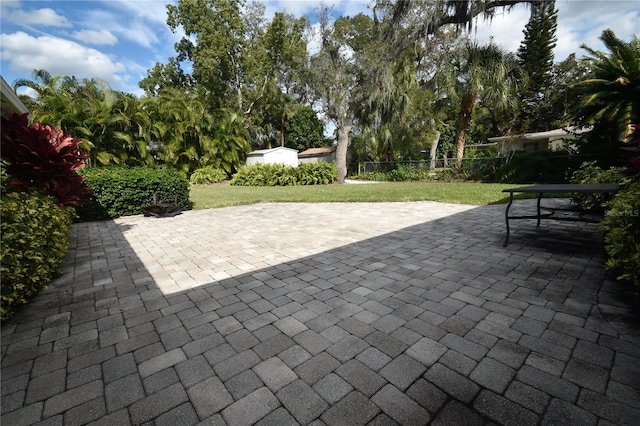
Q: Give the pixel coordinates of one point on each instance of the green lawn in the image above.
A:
(221, 195)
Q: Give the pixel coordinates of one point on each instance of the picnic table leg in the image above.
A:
(539, 199)
(506, 217)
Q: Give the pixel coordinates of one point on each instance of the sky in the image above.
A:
(118, 41)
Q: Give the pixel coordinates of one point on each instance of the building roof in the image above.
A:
(266, 151)
(318, 151)
(10, 100)
(549, 134)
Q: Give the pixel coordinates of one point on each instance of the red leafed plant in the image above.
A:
(40, 157)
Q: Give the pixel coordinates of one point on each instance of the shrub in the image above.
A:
(280, 175)
(39, 157)
(622, 234)
(535, 167)
(35, 239)
(207, 175)
(589, 173)
(320, 173)
(120, 191)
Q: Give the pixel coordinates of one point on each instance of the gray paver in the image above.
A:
(278, 417)
(123, 392)
(502, 410)
(562, 413)
(275, 373)
(451, 382)
(400, 407)
(209, 396)
(243, 384)
(160, 362)
(158, 403)
(455, 413)
(413, 308)
(552, 385)
(353, 409)
(181, 415)
(427, 395)
(361, 377)
(347, 348)
(332, 388)
(302, 401)
(402, 371)
(317, 367)
(193, 370)
(492, 375)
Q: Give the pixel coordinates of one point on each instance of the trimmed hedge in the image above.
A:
(320, 173)
(35, 239)
(121, 191)
(622, 234)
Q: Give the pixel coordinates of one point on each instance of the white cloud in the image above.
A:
(579, 22)
(96, 37)
(505, 28)
(25, 53)
(127, 27)
(45, 17)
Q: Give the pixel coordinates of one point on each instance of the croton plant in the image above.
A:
(37, 156)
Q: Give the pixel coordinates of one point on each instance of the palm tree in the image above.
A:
(613, 94)
(484, 72)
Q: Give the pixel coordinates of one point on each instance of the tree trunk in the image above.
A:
(341, 151)
(282, 129)
(464, 121)
(432, 151)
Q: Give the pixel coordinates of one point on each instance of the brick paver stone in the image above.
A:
(411, 313)
(426, 351)
(275, 373)
(302, 401)
(400, 407)
(353, 409)
(209, 397)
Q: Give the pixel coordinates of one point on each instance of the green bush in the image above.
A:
(320, 173)
(535, 167)
(121, 191)
(589, 173)
(207, 175)
(35, 239)
(622, 234)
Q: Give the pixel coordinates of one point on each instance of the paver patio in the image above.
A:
(336, 314)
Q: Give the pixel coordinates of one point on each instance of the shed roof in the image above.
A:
(267, 151)
(318, 151)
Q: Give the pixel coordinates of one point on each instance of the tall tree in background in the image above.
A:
(535, 56)
(337, 70)
(481, 71)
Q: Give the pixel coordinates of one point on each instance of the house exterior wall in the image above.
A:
(327, 158)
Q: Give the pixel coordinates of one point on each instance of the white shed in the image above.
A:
(279, 155)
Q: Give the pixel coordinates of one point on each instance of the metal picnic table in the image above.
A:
(606, 189)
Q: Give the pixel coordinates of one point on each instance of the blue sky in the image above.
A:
(118, 41)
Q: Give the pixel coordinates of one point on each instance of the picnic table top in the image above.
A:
(567, 187)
